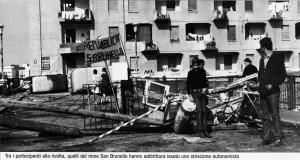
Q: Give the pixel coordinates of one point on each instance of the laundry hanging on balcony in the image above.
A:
(278, 7)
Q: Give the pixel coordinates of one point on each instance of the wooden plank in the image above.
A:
(15, 123)
(75, 111)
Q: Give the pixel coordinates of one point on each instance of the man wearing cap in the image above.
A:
(196, 86)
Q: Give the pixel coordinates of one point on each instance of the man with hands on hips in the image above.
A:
(196, 87)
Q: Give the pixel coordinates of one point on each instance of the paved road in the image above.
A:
(242, 139)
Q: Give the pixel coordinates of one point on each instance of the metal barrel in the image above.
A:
(184, 116)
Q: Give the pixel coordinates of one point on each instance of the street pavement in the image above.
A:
(290, 117)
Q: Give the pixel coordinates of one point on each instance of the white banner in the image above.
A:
(103, 49)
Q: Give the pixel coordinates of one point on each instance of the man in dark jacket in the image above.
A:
(196, 86)
(245, 110)
(249, 69)
(271, 74)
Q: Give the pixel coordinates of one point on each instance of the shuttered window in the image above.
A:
(174, 33)
(132, 5)
(113, 30)
(249, 6)
(231, 34)
(298, 6)
(144, 33)
(192, 5)
(112, 5)
(285, 33)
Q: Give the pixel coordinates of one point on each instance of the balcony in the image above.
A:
(150, 48)
(210, 46)
(276, 16)
(219, 16)
(66, 48)
(81, 16)
(161, 17)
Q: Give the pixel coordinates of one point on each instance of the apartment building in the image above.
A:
(163, 35)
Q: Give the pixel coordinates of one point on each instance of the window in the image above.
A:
(248, 5)
(129, 33)
(70, 36)
(132, 5)
(144, 33)
(227, 62)
(170, 5)
(112, 5)
(231, 35)
(197, 31)
(285, 56)
(297, 30)
(69, 5)
(191, 58)
(172, 62)
(192, 4)
(113, 31)
(225, 5)
(255, 31)
(174, 34)
(285, 32)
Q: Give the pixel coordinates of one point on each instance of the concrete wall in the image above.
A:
(13, 15)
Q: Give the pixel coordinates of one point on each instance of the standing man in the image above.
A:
(249, 69)
(196, 87)
(271, 74)
(245, 111)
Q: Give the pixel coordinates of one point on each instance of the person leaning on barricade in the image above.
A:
(246, 112)
(196, 87)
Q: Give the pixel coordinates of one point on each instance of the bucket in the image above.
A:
(184, 116)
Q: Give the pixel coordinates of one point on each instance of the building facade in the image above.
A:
(163, 35)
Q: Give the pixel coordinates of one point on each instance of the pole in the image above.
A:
(136, 59)
(1, 53)
(124, 49)
(41, 41)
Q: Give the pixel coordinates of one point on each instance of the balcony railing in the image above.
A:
(161, 17)
(75, 16)
(71, 48)
(150, 48)
(220, 16)
(210, 45)
(276, 16)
